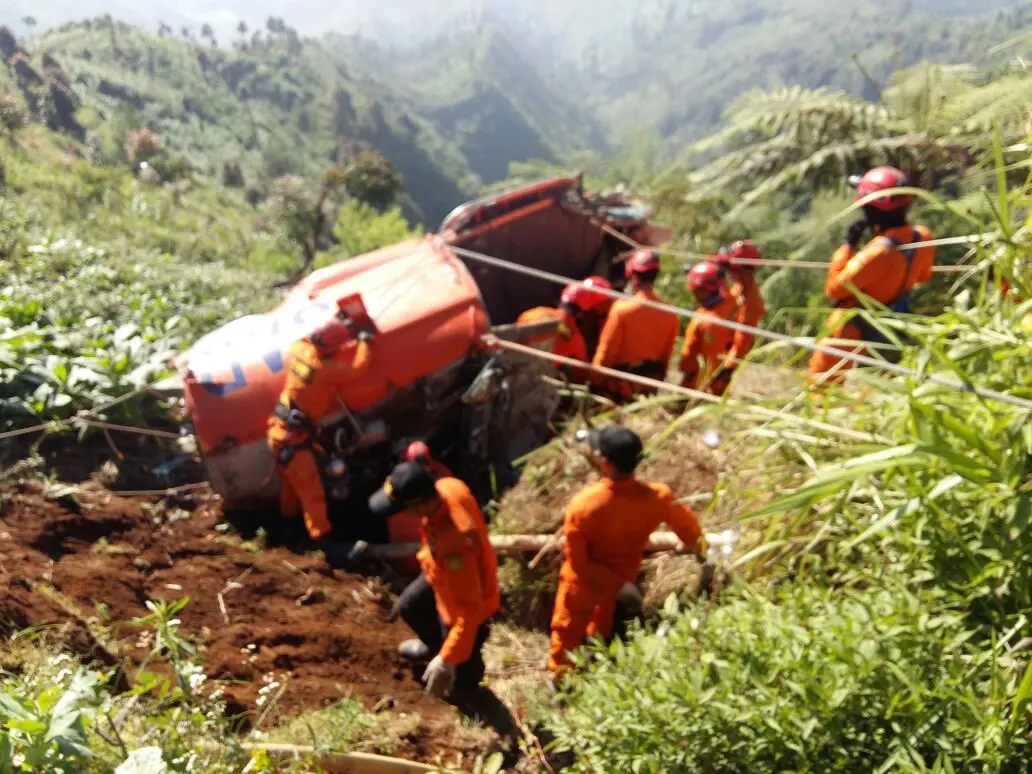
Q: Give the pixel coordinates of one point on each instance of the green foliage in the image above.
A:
(371, 179)
(281, 107)
(47, 730)
(809, 678)
(360, 229)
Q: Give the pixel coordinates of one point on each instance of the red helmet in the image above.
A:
(882, 179)
(417, 451)
(583, 296)
(705, 276)
(642, 261)
(743, 248)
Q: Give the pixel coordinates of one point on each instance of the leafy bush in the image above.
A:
(809, 678)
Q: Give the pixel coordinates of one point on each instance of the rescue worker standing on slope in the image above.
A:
(708, 356)
(580, 311)
(449, 605)
(881, 270)
(743, 286)
(636, 338)
(319, 366)
(607, 528)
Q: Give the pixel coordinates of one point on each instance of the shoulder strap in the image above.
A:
(908, 256)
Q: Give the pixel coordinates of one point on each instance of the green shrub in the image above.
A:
(806, 679)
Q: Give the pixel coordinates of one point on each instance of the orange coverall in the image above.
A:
(638, 339)
(607, 527)
(313, 383)
(879, 271)
(460, 564)
(751, 310)
(708, 345)
(567, 341)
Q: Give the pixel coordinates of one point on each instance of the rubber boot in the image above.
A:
(414, 650)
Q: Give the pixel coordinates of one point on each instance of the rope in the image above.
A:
(752, 331)
(494, 342)
(786, 264)
(57, 424)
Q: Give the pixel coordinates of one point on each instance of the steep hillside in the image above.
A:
(477, 87)
(276, 105)
(679, 64)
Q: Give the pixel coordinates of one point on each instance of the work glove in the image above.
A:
(629, 597)
(855, 232)
(439, 677)
(340, 553)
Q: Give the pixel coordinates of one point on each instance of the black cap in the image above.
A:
(408, 484)
(618, 444)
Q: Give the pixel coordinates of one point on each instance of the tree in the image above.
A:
(242, 29)
(361, 229)
(306, 214)
(164, 30)
(371, 178)
(207, 32)
(931, 118)
(185, 32)
(30, 22)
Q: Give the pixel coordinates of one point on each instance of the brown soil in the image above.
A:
(99, 560)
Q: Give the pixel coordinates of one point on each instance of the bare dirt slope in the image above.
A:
(324, 631)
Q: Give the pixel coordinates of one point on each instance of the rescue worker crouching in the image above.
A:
(607, 528)
(417, 451)
(637, 338)
(581, 312)
(881, 270)
(451, 602)
(709, 354)
(319, 365)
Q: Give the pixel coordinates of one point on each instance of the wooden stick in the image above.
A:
(522, 544)
(344, 763)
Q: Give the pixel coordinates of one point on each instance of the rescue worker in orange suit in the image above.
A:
(319, 365)
(450, 604)
(881, 270)
(709, 353)
(607, 528)
(417, 451)
(579, 313)
(636, 338)
(744, 286)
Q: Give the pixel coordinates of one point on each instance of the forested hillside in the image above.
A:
(479, 88)
(502, 81)
(272, 105)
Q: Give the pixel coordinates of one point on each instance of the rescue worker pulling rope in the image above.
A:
(742, 278)
(636, 338)
(881, 270)
(319, 365)
(581, 312)
(607, 527)
(709, 352)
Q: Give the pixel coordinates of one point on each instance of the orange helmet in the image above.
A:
(882, 179)
(642, 261)
(705, 276)
(417, 451)
(583, 296)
